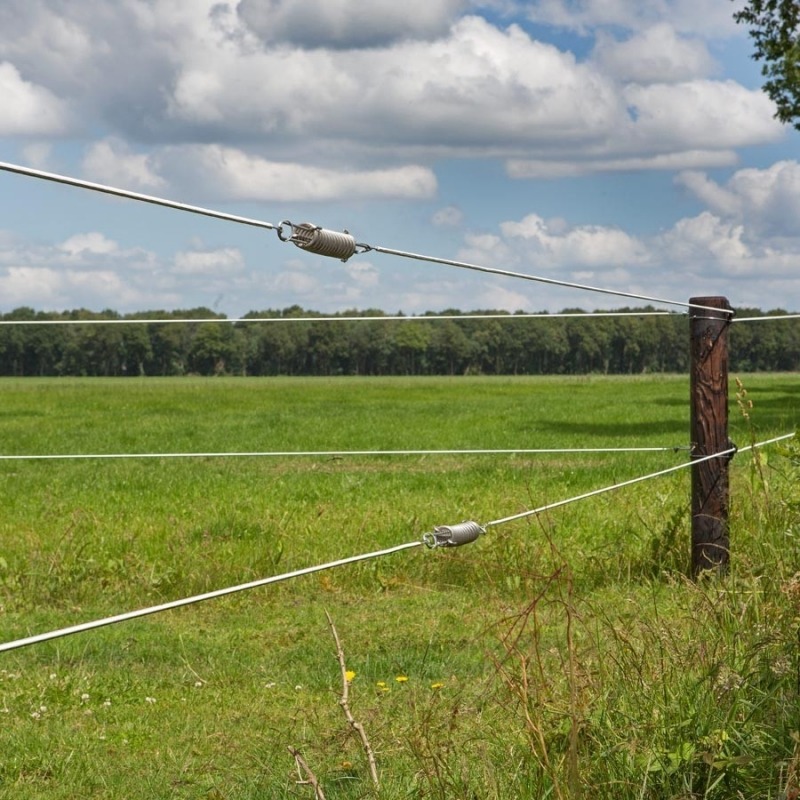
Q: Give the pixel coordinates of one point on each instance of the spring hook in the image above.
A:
(321, 241)
(453, 535)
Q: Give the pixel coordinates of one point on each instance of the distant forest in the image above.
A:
(514, 345)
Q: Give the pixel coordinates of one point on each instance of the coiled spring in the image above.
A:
(321, 241)
(453, 535)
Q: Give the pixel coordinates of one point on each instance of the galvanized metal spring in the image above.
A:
(453, 535)
(321, 241)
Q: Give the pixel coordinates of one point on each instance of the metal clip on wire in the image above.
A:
(453, 535)
(321, 241)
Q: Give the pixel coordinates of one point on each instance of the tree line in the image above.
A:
(512, 345)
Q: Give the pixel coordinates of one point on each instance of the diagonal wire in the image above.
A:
(632, 481)
(144, 198)
(97, 187)
(767, 442)
(536, 278)
(186, 601)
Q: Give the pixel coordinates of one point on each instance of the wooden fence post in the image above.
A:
(709, 432)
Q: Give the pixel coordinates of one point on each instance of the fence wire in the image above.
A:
(427, 539)
(310, 228)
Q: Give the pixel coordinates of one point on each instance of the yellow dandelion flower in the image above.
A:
(436, 685)
(401, 678)
(381, 684)
(349, 675)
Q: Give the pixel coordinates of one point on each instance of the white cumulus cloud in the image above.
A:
(287, 84)
(654, 55)
(701, 113)
(680, 160)
(474, 88)
(28, 109)
(219, 263)
(706, 238)
(362, 273)
(577, 247)
(767, 200)
(234, 174)
(89, 243)
(347, 23)
(34, 286)
(111, 161)
(694, 16)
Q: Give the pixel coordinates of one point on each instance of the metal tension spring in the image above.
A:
(453, 535)
(321, 241)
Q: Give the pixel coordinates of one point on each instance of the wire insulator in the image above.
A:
(453, 535)
(322, 241)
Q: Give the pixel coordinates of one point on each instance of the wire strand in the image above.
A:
(536, 278)
(777, 439)
(766, 317)
(340, 318)
(143, 612)
(631, 482)
(97, 187)
(130, 615)
(144, 198)
(342, 453)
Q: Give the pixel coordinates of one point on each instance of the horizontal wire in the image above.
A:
(594, 493)
(376, 318)
(145, 198)
(143, 612)
(538, 279)
(769, 317)
(344, 453)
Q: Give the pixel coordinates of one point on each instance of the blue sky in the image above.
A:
(614, 143)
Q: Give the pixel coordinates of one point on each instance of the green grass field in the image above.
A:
(561, 656)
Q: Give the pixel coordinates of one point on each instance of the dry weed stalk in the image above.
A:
(344, 702)
(792, 791)
(311, 778)
(527, 692)
(523, 671)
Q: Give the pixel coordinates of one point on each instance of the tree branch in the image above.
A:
(344, 702)
(311, 778)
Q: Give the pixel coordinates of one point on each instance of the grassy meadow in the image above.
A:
(562, 656)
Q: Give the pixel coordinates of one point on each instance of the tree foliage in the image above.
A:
(512, 344)
(774, 26)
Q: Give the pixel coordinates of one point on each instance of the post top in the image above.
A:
(700, 306)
